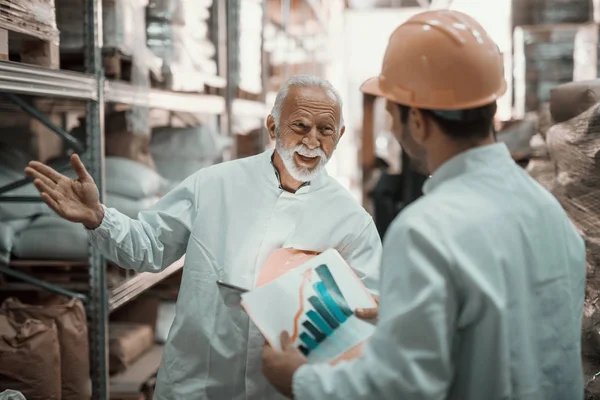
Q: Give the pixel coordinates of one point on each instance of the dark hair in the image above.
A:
(469, 124)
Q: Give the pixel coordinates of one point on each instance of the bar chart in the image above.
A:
(314, 305)
(329, 311)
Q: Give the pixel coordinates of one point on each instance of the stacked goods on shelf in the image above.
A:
(178, 33)
(562, 11)
(249, 46)
(125, 53)
(547, 56)
(33, 231)
(573, 145)
(179, 152)
(67, 318)
(123, 36)
(30, 354)
(127, 342)
(131, 187)
(33, 24)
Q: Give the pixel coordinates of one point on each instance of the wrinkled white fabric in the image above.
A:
(227, 219)
(482, 292)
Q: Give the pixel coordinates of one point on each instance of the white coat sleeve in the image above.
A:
(364, 256)
(409, 355)
(157, 238)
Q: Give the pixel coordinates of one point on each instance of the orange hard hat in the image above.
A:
(440, 60)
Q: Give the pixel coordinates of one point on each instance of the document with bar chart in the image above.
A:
(315, 304)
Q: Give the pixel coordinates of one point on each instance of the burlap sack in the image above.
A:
(574, 146)
(69, 317)
(126, 343)
(30, 358)
(571, 99)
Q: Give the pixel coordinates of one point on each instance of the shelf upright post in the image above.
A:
(219, 36)
(98, 301)
(264, 76)
(232, 17)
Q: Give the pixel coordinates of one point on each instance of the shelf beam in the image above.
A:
(37, 81)
(121, 92)
(140, 283)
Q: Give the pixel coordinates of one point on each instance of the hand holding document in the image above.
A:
(315, 304)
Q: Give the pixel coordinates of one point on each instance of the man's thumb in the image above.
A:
(79, 168)
(285, 340)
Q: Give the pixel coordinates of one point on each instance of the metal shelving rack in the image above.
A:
(21, 79)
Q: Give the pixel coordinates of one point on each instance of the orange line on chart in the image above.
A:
(305, 278)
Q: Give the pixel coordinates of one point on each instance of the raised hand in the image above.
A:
(74, 200)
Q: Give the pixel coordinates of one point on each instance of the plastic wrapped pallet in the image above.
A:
(69, 317)
(574, 146)
(30, 358)
(126, 343)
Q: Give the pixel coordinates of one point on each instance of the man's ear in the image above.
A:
(342, 131)
(270, 124)
(418, 126)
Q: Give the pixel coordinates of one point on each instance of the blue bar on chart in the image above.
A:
(334, 290)
(304, 350)
(319, 322)
(319, 336)
(308, 341)
(322, 310)
(331, 305)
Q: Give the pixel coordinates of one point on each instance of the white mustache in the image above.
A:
(306, 152)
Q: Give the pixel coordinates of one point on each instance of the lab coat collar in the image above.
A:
(470, 160)
(270, 174)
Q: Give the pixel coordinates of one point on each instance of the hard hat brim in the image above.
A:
(372, 86)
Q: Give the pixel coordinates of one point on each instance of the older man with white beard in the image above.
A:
(227, 219)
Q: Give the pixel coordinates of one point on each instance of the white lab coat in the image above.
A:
(482, 292)
(227, 219)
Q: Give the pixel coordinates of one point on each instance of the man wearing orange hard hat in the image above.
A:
(483, 277)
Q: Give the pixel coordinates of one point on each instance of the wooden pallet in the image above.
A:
(18, 46)
(116, 64)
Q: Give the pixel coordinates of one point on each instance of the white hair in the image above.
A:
(305, 81)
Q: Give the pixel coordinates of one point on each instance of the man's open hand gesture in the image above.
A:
(74, 200)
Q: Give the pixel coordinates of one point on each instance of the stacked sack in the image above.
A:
(574, 147)
(44, 349)
(14, 217)
(179, 152)
(132, 185)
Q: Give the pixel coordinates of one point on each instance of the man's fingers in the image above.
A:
(367, 313)
(79, 168)
(46, 171)
(53, 204)
(33, 174)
